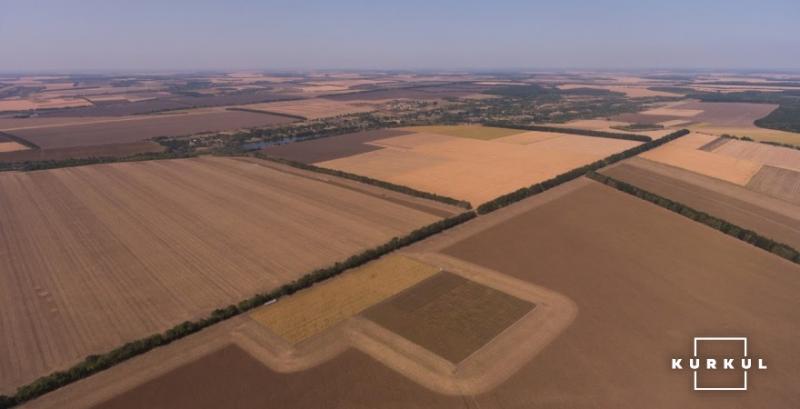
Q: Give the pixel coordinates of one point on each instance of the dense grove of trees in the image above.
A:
(748, 236)
(582, 132)
(525, 192)
(96, 363)
(370, 181)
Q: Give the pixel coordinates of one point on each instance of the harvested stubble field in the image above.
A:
(116, 150)
(54, 103)
(686, 153)
(637, 306)
(777, 182)
(771, 170)
(465, 168)
(312, 108)
(761, 153)
(95, 256)
(743, 206)
(468, 131)
(139, 128)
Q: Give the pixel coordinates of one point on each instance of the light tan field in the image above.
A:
(631, 91)
(473, 169)
(96, 256)
(313, 311)
(668, 111)
(467, 131)
(761, 153)
(313, 108)
(26, 104)
(684, 153)
(12, 147)
(323, 88)
(777, 182)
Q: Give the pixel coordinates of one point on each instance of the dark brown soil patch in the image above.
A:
(231, 378)
(142, 129)
(449, 315)
(99, 151)
(334, 147)
(645, 282)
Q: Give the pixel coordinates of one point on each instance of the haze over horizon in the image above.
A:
(449, 35)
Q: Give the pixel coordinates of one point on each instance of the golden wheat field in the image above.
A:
(323, 306)
(474, 169)
(94, 256)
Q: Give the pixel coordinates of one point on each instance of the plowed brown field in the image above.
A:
(94, 256)
(637, 305)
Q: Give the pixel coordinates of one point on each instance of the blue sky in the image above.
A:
(164, 35)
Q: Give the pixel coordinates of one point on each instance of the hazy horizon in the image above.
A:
(103, 36)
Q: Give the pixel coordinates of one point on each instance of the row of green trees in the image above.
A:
(575, 131)
(367, 180)
(525, 192)
(96, 363)
(748, 236)
(66, 163)
(261, 111)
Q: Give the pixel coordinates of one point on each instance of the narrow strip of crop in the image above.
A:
(21, 141)
(575, 131)
(96, 363)
(745, 235)
(532, 190)
(367, 180)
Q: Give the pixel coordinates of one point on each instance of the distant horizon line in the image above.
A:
(524, 70)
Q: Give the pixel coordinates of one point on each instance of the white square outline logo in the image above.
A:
(694, 354)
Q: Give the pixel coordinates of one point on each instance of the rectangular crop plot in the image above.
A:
(449, 315)
(95, 256)
(777, 182)
(467, 167)
(313, 311)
